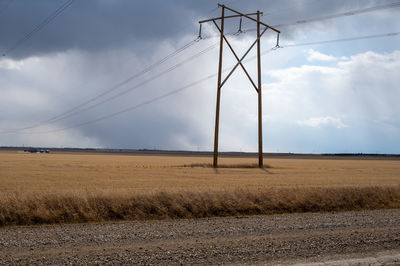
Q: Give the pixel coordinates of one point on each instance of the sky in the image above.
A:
(95, 76)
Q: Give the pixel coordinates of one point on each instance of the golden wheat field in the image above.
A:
(76, 187)
(60, 172)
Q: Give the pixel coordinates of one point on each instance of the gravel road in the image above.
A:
(366, 237)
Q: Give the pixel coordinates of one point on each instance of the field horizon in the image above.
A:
(199, 153)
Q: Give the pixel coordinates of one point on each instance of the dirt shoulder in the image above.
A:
(286, 239)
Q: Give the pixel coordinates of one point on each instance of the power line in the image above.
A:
(136, 86)
(81, 110)
(120, 84)
(108, 91)
(392, 34)
(113, 88)
(39, 27)
(344, 14)
(158, 98)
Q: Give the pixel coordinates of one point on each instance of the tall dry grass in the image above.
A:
(19, 209)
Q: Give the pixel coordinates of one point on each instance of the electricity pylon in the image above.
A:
(221, 83)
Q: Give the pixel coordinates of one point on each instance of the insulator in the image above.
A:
(199, 37)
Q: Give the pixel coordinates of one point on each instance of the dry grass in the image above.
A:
(52, 188)
(53, 208)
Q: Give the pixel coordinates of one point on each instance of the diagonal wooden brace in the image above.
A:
(239, 59)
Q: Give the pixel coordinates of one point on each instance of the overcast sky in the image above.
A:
(326, 98)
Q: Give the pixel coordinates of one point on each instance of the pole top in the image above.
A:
(239, 14)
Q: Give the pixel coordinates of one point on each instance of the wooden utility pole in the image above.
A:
(260, 147)
(221, 83)
(221, 45)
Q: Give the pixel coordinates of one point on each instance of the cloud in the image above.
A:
(361, 90)
(10, 64)
(317, 56)
(318, 122)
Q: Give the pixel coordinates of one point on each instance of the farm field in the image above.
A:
(92, 172)
(80, 187)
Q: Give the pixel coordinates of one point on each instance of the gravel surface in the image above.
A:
(362, 238)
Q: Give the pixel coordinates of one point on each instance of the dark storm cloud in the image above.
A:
(96, 25)
(93, 25)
